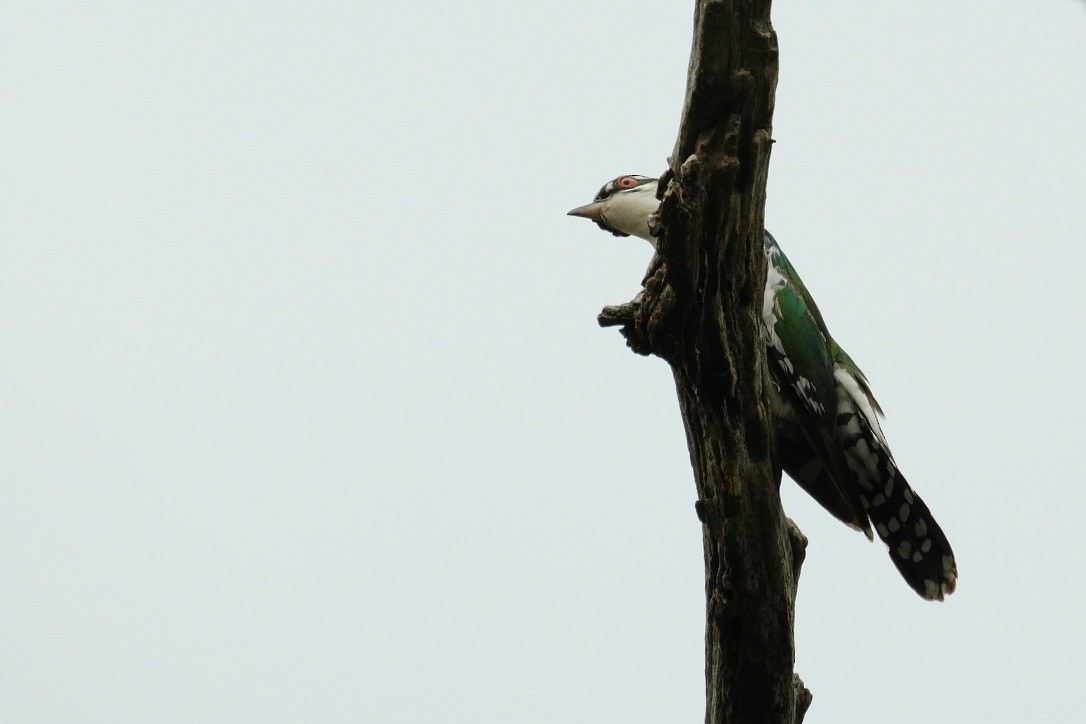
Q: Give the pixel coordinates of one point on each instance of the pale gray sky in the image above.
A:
(307, 418)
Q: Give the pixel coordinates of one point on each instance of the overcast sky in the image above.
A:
(306, 416)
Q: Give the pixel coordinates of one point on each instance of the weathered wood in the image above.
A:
(700, 311)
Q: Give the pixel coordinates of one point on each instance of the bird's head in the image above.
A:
(623, 207)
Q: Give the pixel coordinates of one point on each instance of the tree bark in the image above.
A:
(700, 310)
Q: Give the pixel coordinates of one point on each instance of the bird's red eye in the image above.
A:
(626, 182)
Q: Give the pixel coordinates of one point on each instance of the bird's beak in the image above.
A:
(592, 211)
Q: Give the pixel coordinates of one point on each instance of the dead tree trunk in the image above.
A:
(700, 310)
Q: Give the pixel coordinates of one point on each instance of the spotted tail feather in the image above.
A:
(916, 543)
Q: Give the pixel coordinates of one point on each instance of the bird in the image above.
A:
(825, 419)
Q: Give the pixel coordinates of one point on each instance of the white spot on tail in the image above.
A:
(852, 387)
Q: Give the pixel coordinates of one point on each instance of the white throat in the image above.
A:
(629, 211)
